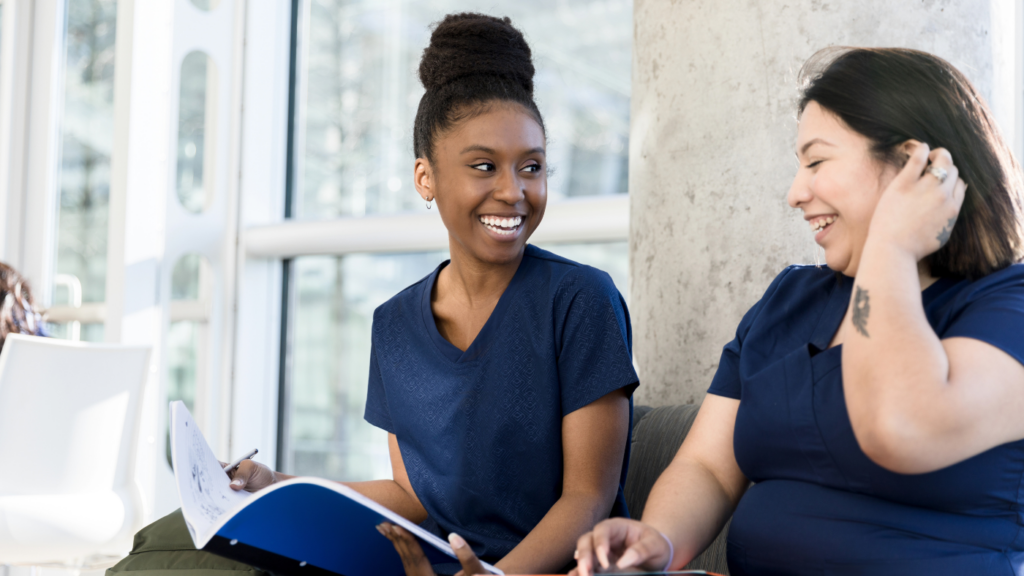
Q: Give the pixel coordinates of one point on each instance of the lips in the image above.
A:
(821, 225)
(505, 226)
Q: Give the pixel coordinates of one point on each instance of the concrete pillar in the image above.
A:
(711, 152)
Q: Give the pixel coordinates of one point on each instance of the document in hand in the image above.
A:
(301, 527)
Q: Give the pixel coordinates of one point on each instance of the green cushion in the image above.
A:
(165, 548)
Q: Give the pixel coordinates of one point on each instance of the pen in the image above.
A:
(235, 464)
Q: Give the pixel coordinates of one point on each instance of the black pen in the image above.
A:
(233, 465)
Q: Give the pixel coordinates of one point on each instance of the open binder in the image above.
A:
(300, 527)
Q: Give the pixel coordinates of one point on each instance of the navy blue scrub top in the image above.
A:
(819, 505)
(480, 431)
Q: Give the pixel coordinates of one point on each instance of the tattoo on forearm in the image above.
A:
(861, 309)
(943, 237)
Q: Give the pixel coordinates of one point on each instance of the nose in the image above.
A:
(800, 190)
(509, 187)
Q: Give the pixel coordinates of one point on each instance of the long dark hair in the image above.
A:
(891, 95)
(472, 61)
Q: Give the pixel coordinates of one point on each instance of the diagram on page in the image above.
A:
(210, 501)
(202, 484)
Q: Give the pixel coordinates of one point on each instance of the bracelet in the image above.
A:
(671, 551)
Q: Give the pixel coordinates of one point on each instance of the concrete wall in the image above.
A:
(711, 153)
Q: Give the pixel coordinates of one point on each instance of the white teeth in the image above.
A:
(504, 226)
(821, 223)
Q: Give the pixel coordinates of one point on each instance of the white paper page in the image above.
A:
(202, 483)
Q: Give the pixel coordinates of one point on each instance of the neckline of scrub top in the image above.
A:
(483, 338)
(833, 314)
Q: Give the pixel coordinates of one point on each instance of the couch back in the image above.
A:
(657, 435)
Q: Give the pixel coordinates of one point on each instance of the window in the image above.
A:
(355, 97)
(86, 132)
(358, 91)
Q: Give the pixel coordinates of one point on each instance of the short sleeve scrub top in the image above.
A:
(819, 505)
(480, 430)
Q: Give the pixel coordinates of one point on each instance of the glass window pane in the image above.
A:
(183, 340)
(69, 331)
(87, 127)
(187, 337)
(185, 277)
(196, 110)
(334, 300)
(206, 5)
(358, 93)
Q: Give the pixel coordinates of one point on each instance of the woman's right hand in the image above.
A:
(251, 476)
(621, 543)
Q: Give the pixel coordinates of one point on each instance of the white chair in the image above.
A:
(69, 420)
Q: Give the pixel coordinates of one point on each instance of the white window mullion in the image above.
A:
(42, 145)
(600, 219)
(254, 392)
(15, 60)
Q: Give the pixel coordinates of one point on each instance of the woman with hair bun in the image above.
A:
(875, 403)
(504, 378)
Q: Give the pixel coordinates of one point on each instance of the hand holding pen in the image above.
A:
(251, 476)
(230, 467)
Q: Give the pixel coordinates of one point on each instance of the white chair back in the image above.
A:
(69, 420)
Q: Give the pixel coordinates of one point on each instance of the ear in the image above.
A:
(905, 150)
(423, 179)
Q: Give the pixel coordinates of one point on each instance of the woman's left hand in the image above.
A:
(917, 211)
(415, 561)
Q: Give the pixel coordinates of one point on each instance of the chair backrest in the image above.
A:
(69, 415)
(657, 435)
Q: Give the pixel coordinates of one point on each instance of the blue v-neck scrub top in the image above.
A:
(480, 431)
(819, 505)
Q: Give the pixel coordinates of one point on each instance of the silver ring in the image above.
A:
(938, 173)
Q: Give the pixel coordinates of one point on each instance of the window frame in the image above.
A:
(31, 63)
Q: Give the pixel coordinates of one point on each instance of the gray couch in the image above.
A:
(657, 435)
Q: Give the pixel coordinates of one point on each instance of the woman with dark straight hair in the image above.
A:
(876, 403)
(891, 96)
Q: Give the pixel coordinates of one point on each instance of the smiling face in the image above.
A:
(837, 185)
(489, 178)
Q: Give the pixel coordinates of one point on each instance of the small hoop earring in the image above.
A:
(428, 203)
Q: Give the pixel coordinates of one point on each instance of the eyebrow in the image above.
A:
(808, 144)
(486, 150)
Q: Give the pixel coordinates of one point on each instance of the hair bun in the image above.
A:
(471, 44)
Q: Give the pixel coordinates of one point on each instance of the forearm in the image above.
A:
(392, 496)
(550, 545)
(689, 505)
(895, 369)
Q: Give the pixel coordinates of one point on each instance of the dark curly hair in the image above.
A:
(18, 314)
(473, 60)
(891, 95)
